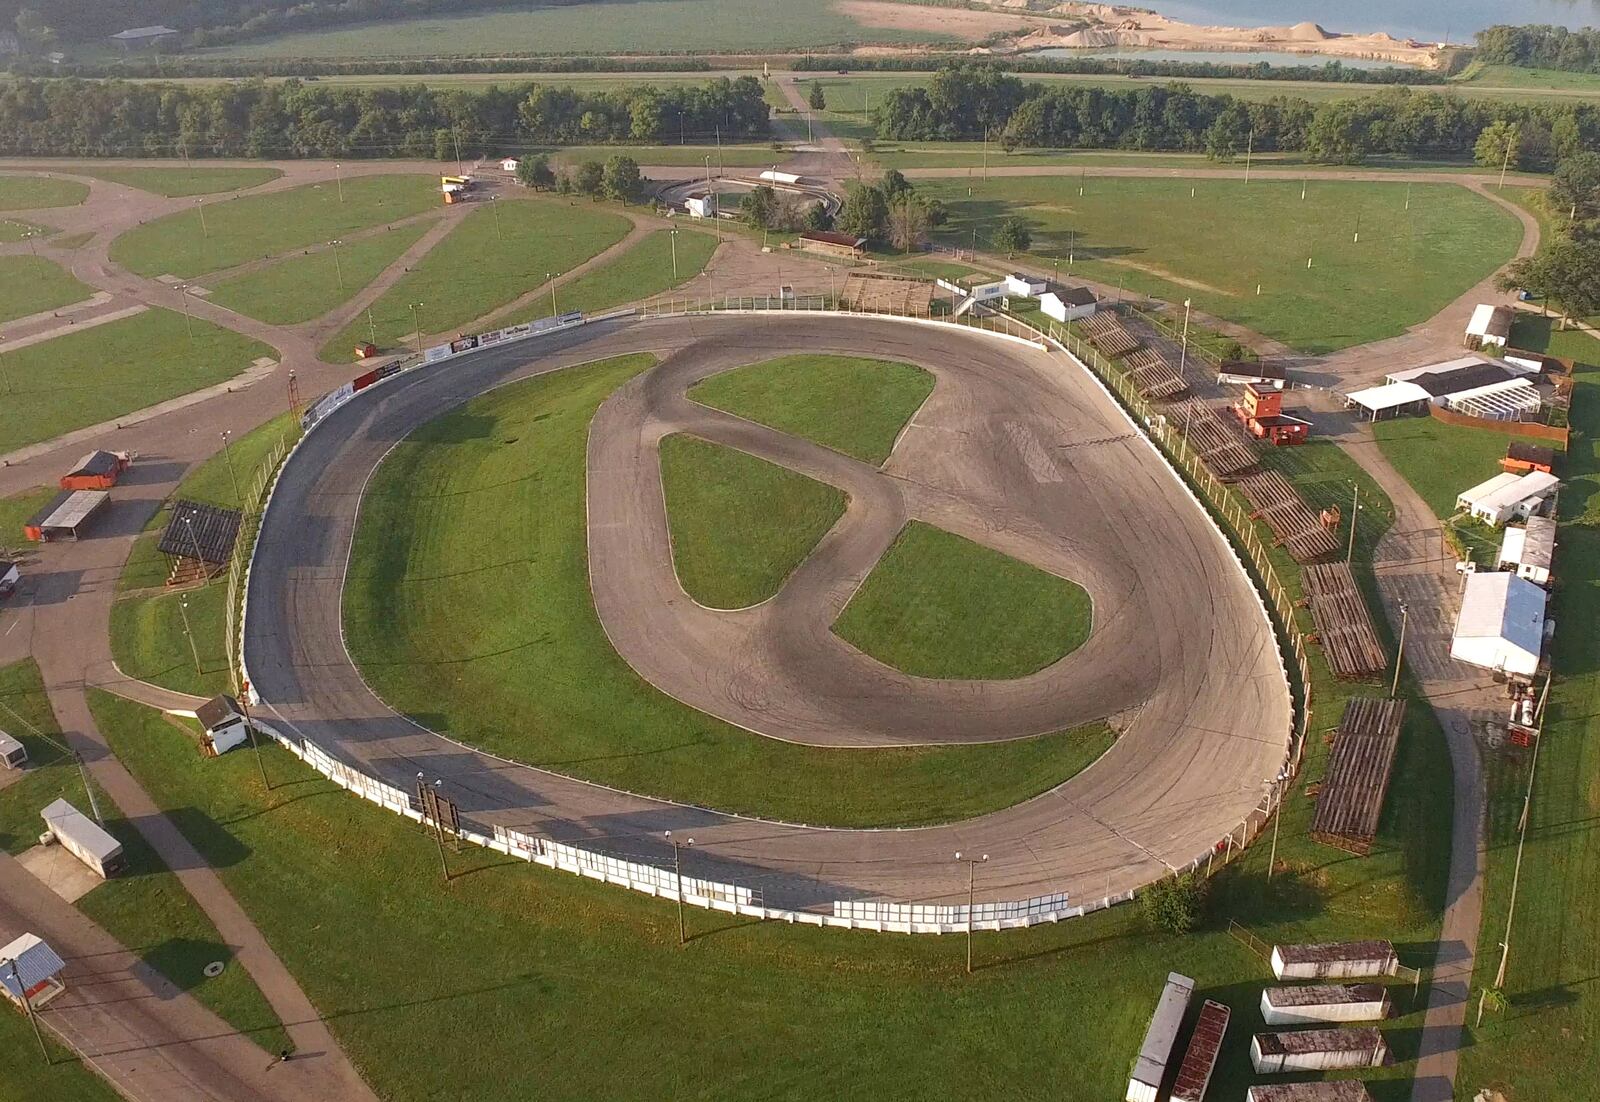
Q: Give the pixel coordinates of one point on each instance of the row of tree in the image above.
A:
(973, 101)
(294, 119)
(1541, 47)
(1167, 68)
(617, 178)
(1566, 271)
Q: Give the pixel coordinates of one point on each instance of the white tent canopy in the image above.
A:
(1501, 626)
(1379, 399)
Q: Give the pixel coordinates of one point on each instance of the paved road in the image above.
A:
(1214, 711)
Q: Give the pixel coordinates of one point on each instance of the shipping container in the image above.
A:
(1318, 1050)
(1342, 1090)
(84, 838)
(1151, 1066)
(1200, 1058)
(1334, 1002)
(1334, 960)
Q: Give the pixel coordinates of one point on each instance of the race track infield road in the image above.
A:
(1017, 448)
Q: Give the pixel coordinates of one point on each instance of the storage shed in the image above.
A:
(1508, 496)
(1522, 457)
(1325, 1002)
(1066, 304)
(1490, 328)
(1529, 551)
(67, 515)
(1151, 1066)
(1021, 285)
(1262, 373)
(31, 970)
(835, 244)
(224, 724)
(1339, 1090)
(13, 755)
(1318, 1050)
(98, 470)
(1200, 1058)
(1334, 960)
(1501, 625)
(84, 838)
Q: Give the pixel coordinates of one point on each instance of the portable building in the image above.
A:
(1260, 372)
(1318, 1050)
(836, 244)
(13, 755)
(84, 838)
(509, 164)
(1459, 377)
(1334, 960)
(1530, 551)
(1337, 1090)
(773, 176)
(99, 470)
(1066, 304)
(1330, 1002)
(1507, 496)
(66, 516)
(1489, 328)
(224, 724)
(31, 970)
(1501, 625)
(1200, 1058)
(1021, 285)
(701, 206)
(1151, 1066)
(10, 576)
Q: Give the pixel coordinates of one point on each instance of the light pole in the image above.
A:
(972, 888)
(200, 205)
(22, 992)
(494, 206)
(416, 324)
(227, 454)
(677, 871)
(338, 268)
(188, 322)
(338, 178)
(183, 611)
(1183, 351)
(1355, 508)
(1400, 651)
(672, 236)
(1277, 816)
(549, 278)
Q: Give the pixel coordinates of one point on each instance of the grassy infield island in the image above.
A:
(32, 285)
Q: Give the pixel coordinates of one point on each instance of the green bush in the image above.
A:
(1176, 904)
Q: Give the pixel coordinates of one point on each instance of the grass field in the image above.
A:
(643, 271)
(1518, 79)
(621, 26)
(12, 231)
(175, 183)
(938, 605)
(94, 375)
(310, 285)
(15, 511)
(1230, 238)
(1544, 1041)
(1440, 460)
(512, 658)
(251, 227)
(853, 405)
(497, 253)
(36, 192)
(740, 525)
(149, 643)
(25, 1076)
(30, 285)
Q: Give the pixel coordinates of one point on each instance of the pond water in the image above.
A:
(1427, 20)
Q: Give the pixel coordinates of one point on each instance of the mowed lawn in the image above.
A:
(31, 285)
(508, 654)
(939, 605)
(251, 227)
(37, 192)
(740, 525)
(1218, 247)
(1441, 460)
(306, 286)
(645, 270)
(851, 404)
(175, 183)
(499, 252)
(94, 375)
(13, 230)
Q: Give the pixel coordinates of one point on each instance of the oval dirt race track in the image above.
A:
(1017, 449)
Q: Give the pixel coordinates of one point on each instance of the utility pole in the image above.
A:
(338, 179)
(1276, 811)
(338, 268)
(250, 729)
(200, 205)
(1357, 239)
(1355, 507)
(1400, 651)
(972, 885)
(494, 205)
(16, 978)
(672, 236)
(416, 324)
(188, 322)
(438, 827)
(455, 136)
(83, 775)
(677, 869)
(1249, 148)
(227, 454)
(372, 327)
(183, 611)
(1183, 352)
(1506, 164)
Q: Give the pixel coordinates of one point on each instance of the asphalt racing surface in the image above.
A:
(1017, 449)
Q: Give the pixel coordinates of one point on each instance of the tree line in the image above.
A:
(974, 101)
(1541, 47)
(295, 119)
(1332, 71)
(1566, 270)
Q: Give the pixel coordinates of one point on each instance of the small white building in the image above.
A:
(13, 755)
(773, 176)
(1311, 1004)
(509, 164)
(1490, 328)
(1019, 285)
(988, 292)
(1501, 625)
(701, 206)
(1066, 304)
(31, 970)
(1509, 496)
(224, 724)
(1259, 372)
(1334, 960)
(84, 838)
(1318, 1050)
(1151, 1066)
(1530, 551)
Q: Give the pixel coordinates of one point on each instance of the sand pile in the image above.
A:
(1307, 32)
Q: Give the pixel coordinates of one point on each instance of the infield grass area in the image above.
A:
(497, 253)
(31, 285)
(643, 271)
(175, 183)
(1230, 238)
(252, 227)
(38, 192)
(93, 375)
(740, 525)
(509, 655)
(12, 230)
(938, 605)
(299, 288)
(851, 404)
(145, 907)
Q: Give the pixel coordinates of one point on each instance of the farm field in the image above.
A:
(39, 192)
(621, 26)
(178, 182)
(497, 253)
(938, 605)
(643, 271)
(251, 227)
(547, 688)
(740, 525)
(92, 375)
(1243, 254)
(853, 405)
(31, 285)
(1517, 78)
(299, 288)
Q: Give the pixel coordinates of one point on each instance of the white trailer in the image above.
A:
(13, 755)
(1334, 960)
(1333, 1002)
(1339, 1090)
(1151, 1066)
(84, 838)
(1318, 1050)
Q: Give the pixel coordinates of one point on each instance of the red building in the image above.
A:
(1261, 413)
(97, 471)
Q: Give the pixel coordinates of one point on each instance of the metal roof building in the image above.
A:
(28, 968)
(1308, 1004)
(1151, 1066)
(1334, 959)
(1389, 400)
(1508, 495)
(1531, 550)
(1318, 1050)
(1501, 626)
(66, 515)
(1339, 1090)
(1490, 326)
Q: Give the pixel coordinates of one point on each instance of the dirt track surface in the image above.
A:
(1213, 707)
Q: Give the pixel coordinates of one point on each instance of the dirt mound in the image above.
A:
(1308, 32)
